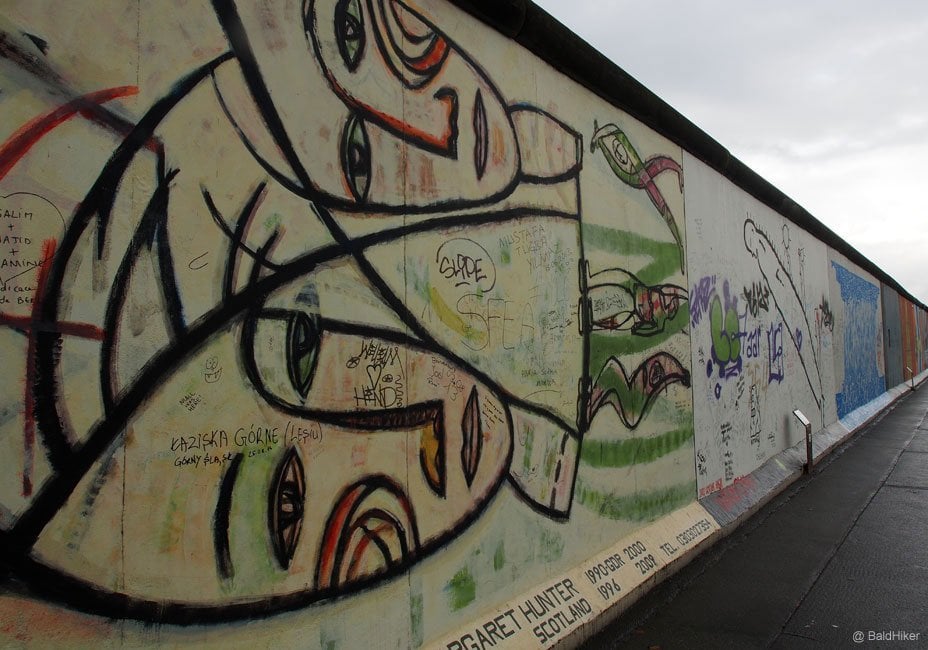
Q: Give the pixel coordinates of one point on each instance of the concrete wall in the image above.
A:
(860, 367)
(762, 329)
(909, 339)
(343, 323)
(921, 338)
(893, 342)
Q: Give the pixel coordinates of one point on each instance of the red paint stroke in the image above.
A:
(33, 324)
(734, 495)
(651, 170)
(444, 141)
(81, 330)
(325, 573)
(26, 136)
(659, 164)
(432, 56)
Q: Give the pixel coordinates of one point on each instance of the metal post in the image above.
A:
(808, 426)
(911, 376)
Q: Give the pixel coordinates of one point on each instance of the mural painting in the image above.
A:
(638, 452)
(299, 322)
(321, 313)
(859, 338)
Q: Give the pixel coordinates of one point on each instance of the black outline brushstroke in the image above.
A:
(572, 172)
(236, 237)
(224, 565)
(387, 519)
(411, 62)
(341, 38)
(98, 201)
(472, 444)
(310, 31)
(29, 576)
(380, 27)
(408, 35)
(144, 237)
(643, 370)
(231, 22)
(400, 338)
(55, 84)
(170, 291)
(818, 397)
(481, 135)
(285, 181)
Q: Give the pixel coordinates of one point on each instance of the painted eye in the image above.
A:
(302, 352)
(356, 158)
(349, 32)
(481, 136)
(620, 153)
(285, 507)
(657, 374)
(284, 347)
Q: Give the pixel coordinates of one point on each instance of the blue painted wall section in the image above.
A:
(863, 375)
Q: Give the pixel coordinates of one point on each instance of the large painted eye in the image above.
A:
(285, 507)
(356, 158)
(284, 351)
(349, 32)
(302, 352)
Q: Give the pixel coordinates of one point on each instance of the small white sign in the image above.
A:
(802, 418)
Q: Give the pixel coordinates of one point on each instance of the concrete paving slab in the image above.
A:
(840, 552)
(790, 642)
(919, 442)
(876, 581)
(910, 471)
(690, 638)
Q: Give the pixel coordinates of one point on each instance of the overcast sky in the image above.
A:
(827, 100)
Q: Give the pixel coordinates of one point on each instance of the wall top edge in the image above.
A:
(535, 29)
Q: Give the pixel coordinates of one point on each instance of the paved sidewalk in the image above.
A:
(842, 552)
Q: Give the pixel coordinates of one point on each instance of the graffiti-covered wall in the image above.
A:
(304, 297)
(762, 329)
(343, 323)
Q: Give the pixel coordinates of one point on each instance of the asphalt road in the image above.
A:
(840, 559)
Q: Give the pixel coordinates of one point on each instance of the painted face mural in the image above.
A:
(351, 448)
(309, 351)
(401, 119)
